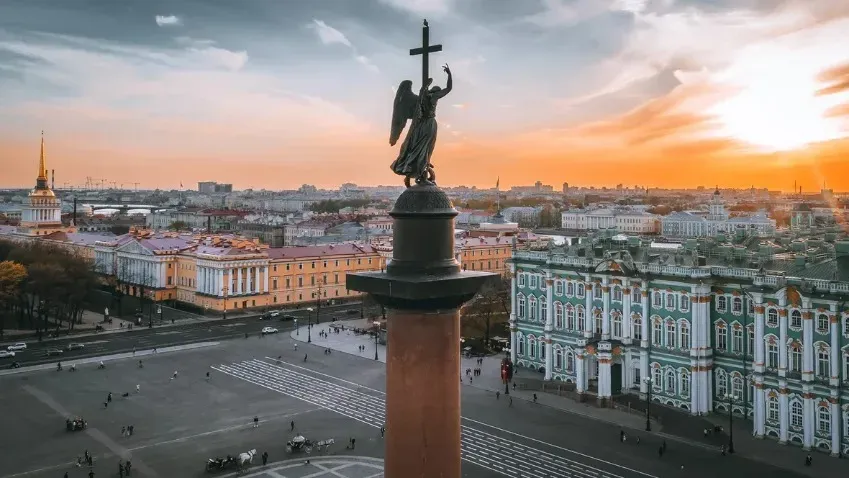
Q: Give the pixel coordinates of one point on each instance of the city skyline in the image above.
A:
(277, 94)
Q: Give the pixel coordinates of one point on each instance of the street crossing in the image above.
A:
(479, 444)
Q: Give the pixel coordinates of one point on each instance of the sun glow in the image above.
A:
(774, 105)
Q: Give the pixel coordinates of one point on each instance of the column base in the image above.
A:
(806, 448)
(604, 402)
(582, 397)
(782, 442)
(834, 454)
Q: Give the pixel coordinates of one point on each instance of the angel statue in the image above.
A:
(413, 160)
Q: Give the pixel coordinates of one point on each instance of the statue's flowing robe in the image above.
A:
(414, 156)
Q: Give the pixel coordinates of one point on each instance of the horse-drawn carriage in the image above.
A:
(215, 464)
(299, 443)
(75, 424)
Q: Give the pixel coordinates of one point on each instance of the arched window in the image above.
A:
(670, 382)
(824, 420)
(657, 300)
(670, 301)
(822, 323)
(737, 305)
(580, 289)
(581, 317)
(771, 353)
(685, 302)
(558, 287)
(532, 347)
(657, 332)
(542, 348)
(796, 319)
(772, 318)
(532, 308)
(670, 333)
(558, 358)
(558, 315)
(721, 303)
(795, 355)
(684, 334)
(772, 409)
(737, 388)
(823, 362)
(521, 306)
(617, 324)
(521, 342)
(637, 327)
(617, 293)
(656, 378)
(570, 317)
(570, 361)
(570, 288)
(636, 295)
(598, 319)
(685, 383)
(722, 337)
(543, 310)
(796, 414)
(721, 384)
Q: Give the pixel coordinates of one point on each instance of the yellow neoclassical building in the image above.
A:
(226, 272)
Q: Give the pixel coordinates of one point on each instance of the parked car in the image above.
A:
(269, 315)
(6, 354)
(16, 347)
(268, 330)
(52, 352)
(352, 311)
(70, 347)
(288, 317)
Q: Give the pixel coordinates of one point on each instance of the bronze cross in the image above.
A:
(424, 51)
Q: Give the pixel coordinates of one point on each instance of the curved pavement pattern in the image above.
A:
(482, 444)
(336, 467)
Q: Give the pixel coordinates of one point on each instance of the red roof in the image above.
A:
(296, 252)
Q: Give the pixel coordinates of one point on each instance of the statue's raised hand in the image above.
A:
(446, 69)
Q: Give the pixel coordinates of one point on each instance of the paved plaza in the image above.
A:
(336, 467)
(180, 422)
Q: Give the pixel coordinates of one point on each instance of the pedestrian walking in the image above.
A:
(621, 435)
(660, 451)
(535, 398)
(382, 431)
(134, 351)
(256, 421)
(66, 475)
(353, 443)
(123, 431)
(264, 458)
(132, 429)
(207, 376)
(498, 395)
(91, 474)
(511, 401)
(138, 388)
(120, 469)
(292, 426)
(664, 446)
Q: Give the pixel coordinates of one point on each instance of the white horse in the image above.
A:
(246, 458)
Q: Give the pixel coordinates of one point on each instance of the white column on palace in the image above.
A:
(807, 341)
(783, 410)
(588, 312)
(549, 322)
(219, 288)
(514, 330)
(835, 424)
(604, 362)
(239, 285)
(834, 359)
(256, 279)
(782, 343)
(627, 321)
(809, 417)
(580, 371)
(644, 340)
(759, 402)
(265, 271)
(605, 310)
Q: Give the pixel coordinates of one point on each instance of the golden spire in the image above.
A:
(42, 168)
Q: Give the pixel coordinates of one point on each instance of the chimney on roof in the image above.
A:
(209, 224)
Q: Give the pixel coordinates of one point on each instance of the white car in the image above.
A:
(6, 353)
(269, 330)
(16, 347)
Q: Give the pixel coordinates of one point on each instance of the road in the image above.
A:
(161, 336)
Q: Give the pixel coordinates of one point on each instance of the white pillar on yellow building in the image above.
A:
(239, 285)
(265, 273)
(256, 280)
(219, 288)
(605, 307)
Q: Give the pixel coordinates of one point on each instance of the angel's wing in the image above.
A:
(402, 110)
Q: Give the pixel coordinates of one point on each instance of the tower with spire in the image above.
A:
(42, 211)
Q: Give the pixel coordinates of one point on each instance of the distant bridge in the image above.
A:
(123, 207)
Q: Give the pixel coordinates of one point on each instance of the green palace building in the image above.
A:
(758, 325)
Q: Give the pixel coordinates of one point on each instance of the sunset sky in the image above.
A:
(277, 93)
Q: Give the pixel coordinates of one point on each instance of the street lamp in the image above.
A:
(648, 403)
(730, 422)
(297, 330)
(159, 312)
(376, 336)
(309, 325)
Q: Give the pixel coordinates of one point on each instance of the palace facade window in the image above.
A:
(772, 408)
(670, 334)
(570, 361)
(657, 333)
(617, 325)
(581, 317)
(822, 323)
(558, 315)
(521, 277)
(637, 328)
(570, 289)
(795, 356)
(617, 293)
(532, 308)
(657, 300)
(520, 306)
(670, 382)
(581, 289)
(771, 354)
(722, 337)
(597, 291)
(772, 318)
(796, 319)
(558, 287)
(721, 384)
(685, 383)
(797, 416)
(737, 339)
(824, 420)
(684, 334)
(570, 317)
(543, 310)
(685, 302)
(823, 362)
(737, 305)
(636, 295)
(721, 303)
